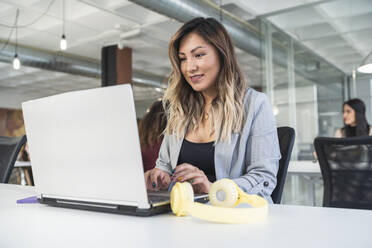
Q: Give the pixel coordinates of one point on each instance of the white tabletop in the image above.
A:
(36, 225)
(304, 167)
(22, 164)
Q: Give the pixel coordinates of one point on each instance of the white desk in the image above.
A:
(22, 166)
(304, 167)
(308, 170)
(35, 225)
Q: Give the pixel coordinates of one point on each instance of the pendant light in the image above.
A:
(366, 65)
(16, 61)
(63, 42)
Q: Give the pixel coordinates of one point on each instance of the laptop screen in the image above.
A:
(85, 145)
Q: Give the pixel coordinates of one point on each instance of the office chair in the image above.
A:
(346, 166)
(286, 136)
(9, 149)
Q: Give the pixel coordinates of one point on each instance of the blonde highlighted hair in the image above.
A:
(184, 106)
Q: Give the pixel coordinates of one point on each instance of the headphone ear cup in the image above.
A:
(223, 193)
(182, 195)
(189, 191)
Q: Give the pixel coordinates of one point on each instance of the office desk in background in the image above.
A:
(308, 170)
(36, 225)
(25, 172)
(304, 167)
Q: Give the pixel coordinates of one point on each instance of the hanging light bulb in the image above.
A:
(63, 43)
(16, 62)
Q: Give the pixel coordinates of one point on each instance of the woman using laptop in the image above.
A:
(217, 127)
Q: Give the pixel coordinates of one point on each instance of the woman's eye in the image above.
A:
(182, 59)
(199, 55)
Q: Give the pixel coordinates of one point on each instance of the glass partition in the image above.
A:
(305, 90)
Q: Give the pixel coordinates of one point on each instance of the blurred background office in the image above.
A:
(303, 54)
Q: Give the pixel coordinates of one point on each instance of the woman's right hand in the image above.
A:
(157, 179)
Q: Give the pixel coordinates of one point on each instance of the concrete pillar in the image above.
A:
(116, 65)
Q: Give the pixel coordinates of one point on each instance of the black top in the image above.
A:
(352, 131)
(200, 155)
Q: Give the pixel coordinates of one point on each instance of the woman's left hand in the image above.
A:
(187, 172)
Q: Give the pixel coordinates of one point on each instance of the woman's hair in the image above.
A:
(362, 126)
(184, 106)
(152, 124)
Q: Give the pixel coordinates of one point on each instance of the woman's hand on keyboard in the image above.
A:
(187, 172)
(157, 179)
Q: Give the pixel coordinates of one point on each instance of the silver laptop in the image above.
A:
(85, 152)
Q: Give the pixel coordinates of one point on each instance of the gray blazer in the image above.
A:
(251, 159)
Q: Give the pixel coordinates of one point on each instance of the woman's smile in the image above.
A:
(196, 78)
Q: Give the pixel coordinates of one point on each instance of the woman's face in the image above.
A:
(349, 115)
(200, 63)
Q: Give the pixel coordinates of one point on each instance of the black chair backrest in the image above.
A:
(286, 136)
(346, 166)
(9, 149)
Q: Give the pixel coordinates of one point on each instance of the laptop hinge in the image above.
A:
(87, 204)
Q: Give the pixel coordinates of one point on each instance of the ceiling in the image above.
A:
(340, 31)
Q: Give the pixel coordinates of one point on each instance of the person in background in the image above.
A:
(217, 127)
(151, 128)
(355, 121)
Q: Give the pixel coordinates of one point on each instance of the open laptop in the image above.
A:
(85, 152)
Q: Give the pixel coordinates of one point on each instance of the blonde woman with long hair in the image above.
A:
(217, 127)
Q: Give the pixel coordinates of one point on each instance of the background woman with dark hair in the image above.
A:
(151, 129)
(355, 121)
